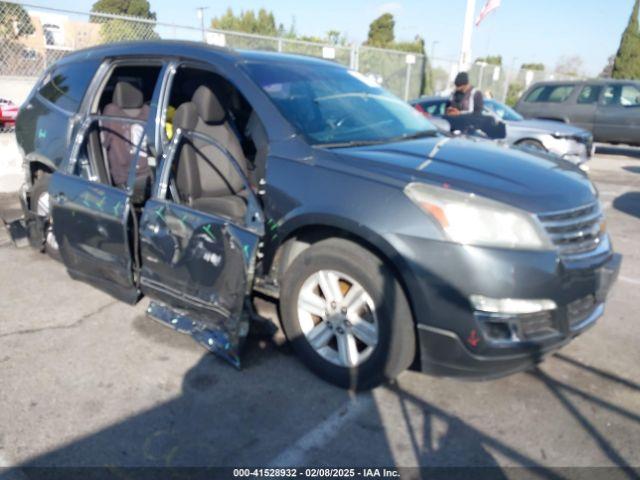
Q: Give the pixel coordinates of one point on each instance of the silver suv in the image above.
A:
(610, 109)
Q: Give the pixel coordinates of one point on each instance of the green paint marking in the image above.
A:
(42, 133)
(274, 236)
(116, 208)
(246, 250)
(207, 228)
(160, 213)
(100, 203)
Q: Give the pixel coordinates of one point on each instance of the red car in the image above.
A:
(8, 114)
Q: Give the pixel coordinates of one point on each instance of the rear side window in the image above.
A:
(559, 93)
(550, 93)
(589, 94)
(66, 85)
(534, 95)
(434, 108)
(437, 108)
(621, 95)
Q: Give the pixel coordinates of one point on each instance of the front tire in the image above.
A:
(41, 206)
(346, 315)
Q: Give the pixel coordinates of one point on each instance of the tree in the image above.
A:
(262, 23)
(572, 66)
(336, 38)
(537, 67)
(491, 60)
(381, 31)
(116, 30)
(14, 22)
(627, 62)
(607, 71)
(131, 8)
(513, 93)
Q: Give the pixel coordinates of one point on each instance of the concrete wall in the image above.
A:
(16, 89)
(11, 176)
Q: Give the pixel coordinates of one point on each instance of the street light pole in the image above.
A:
(465, 51)
(200, 11)
(433, 48)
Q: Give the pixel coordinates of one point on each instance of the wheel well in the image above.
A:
(299, 240)
(38, 168)
(523, 140)
(554, 119)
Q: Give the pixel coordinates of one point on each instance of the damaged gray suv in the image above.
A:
(198, 176)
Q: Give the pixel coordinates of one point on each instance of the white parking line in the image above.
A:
(321, 435)
(635, 281)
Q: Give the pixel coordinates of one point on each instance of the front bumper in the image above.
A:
(576, 151)
(456, 340)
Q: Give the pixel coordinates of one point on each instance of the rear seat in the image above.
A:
(120, 139)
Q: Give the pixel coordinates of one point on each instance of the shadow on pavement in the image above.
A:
(596, 371)
(628, 203)
(561, 389)
(226, 418)
(621, 150)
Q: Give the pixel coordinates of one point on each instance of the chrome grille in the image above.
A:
(574, 231)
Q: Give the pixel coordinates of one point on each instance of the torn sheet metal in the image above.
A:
(214, 340)
(18, 232)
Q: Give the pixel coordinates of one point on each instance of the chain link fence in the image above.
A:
(32, 37)
(35, 36)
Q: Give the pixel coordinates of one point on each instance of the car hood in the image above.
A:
(549, 126)
(536, 183)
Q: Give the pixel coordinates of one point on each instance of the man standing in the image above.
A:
(465, 98)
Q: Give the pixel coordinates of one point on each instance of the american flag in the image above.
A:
(489, 7)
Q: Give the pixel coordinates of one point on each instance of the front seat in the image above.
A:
(205, 178)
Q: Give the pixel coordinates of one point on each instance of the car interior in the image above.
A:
(111, 145)
(200, 103)
(202, 175)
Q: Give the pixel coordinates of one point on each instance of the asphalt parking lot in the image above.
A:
(88, 381)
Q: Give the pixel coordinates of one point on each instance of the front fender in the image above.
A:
(310, 221)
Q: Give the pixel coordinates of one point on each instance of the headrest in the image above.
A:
(186, 117)
(126, 95)
(209, 108)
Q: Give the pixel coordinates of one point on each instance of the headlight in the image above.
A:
(472, 220)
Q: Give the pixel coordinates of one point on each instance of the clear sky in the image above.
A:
(527, 30)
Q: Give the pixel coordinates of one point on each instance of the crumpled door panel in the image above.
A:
(199, 267)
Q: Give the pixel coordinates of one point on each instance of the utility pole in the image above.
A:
(433, 48)
(200, 11)
(465, 52)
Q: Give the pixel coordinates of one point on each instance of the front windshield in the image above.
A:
(503, 111)
(334, 106)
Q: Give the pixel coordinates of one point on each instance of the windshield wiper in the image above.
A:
(351, 143)
(362, 143)
(413, 136)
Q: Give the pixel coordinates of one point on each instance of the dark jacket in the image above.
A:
(470, 101)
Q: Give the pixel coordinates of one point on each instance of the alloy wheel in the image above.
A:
(338, 318)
